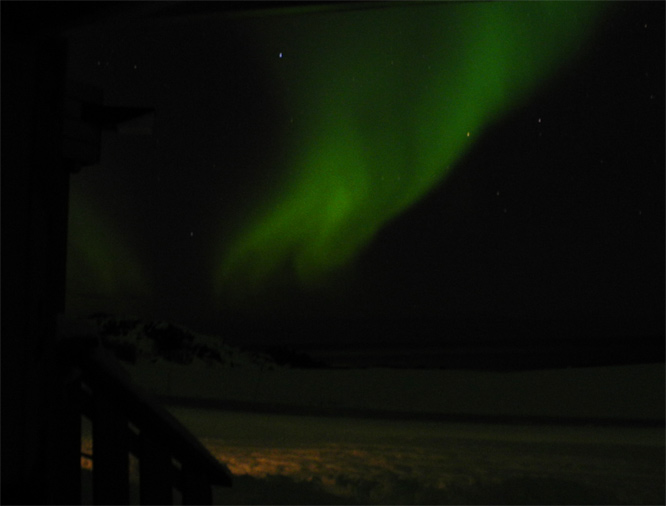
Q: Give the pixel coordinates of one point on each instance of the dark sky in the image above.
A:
(552, 221)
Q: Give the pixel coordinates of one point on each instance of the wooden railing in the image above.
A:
(127, 420)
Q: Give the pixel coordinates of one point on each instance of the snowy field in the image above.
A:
(617, 393)
(307, 460)
(398, 436)
(381, 456)
(288, 459)
(303, 460)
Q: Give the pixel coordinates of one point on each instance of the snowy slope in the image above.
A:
(138, 343)
(621, 393)
(182, 366)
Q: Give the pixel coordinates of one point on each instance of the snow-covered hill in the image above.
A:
(180, 365)
(139, 342)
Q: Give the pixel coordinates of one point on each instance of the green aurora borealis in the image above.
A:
(380, 106)
(97, 256)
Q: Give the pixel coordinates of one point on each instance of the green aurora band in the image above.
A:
(100, 265)
(381, 105)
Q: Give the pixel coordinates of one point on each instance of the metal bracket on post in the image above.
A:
(85, 118)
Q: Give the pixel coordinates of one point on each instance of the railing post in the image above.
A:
(110, 453)
(116, 405)
(155, 472)
(65, 442)
(196, 486)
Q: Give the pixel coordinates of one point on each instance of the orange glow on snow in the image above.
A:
(328, 462)
(86, 447)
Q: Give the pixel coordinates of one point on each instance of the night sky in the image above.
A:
(446, 165)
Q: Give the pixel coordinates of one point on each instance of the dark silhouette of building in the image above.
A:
(51, 128)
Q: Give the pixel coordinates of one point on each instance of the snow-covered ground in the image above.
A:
(619, 393)
(288, 459)
(285, 459)
(372, 443)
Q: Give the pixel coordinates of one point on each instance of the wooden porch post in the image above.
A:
(196, 486)
(156, 472)
(110, 453)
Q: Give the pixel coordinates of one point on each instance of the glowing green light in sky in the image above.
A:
(382, 103)
(100, 266)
